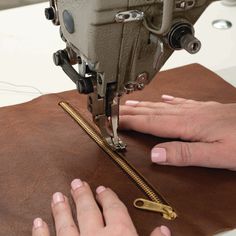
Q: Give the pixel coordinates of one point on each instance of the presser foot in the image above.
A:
(108, 128)
(116, 145)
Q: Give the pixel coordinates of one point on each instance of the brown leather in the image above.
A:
(43, 150)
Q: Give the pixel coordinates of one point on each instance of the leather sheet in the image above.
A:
(43, 150)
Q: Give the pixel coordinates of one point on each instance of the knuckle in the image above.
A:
(190, 126)
(142, 104)
(181, 106)
(185, 108)
(122, 229)
(185, 154)
(85, 207)
(80, 193)
(117, 206)
(187, 130)
(152, 119)
(66, 229)
(84, 201)
(107, 193)
(59, 208)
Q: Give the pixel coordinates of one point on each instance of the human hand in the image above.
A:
(209, 128)
(117, 221)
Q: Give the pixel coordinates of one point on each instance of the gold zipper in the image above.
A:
(156, 202)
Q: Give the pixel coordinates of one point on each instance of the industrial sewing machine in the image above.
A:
(119, 46)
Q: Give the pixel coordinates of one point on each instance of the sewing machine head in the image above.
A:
(119, 46)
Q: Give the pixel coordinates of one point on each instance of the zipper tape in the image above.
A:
(156, 203)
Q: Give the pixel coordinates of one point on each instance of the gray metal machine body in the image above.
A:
(119, 46)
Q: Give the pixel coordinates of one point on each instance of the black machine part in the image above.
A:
(84, 84)
(181, 36)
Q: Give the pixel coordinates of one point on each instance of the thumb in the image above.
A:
(161, 231)
(189, 154)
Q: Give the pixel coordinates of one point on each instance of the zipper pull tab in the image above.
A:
(167, 212)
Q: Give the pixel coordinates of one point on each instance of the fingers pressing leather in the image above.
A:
(114, 211)
(189, 154)
(89, 216)
(40, 228)
(128, 110)
(159, 108)
(164, 126)
(167, 99)
(65, 225)
(176, 100)
(150, 105)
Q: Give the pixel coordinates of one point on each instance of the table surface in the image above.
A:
(27, 42)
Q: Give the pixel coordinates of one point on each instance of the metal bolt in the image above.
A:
(84, 86)
(57, 59)
(120, 18)
(130, 87)
(49, 13)
(140, 86)
(142, 78)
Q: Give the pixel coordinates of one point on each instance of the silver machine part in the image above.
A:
(128, 16)
(190, 43)
(119, 47)
(222, 24)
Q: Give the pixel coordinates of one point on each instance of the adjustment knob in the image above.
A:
(49, 13)
(181, 36)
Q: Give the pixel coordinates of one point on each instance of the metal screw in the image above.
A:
(57, 59)
(130, 87)
(142, 78)
(140, 86)
(49, 13)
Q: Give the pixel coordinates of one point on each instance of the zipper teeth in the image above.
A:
(130, 170)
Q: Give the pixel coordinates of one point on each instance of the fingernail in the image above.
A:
(131, 103)
(165, 231)
(38, 222)
(100, 189)
(58, 198)
(158, 155)
(167, 97)
(77, 183)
